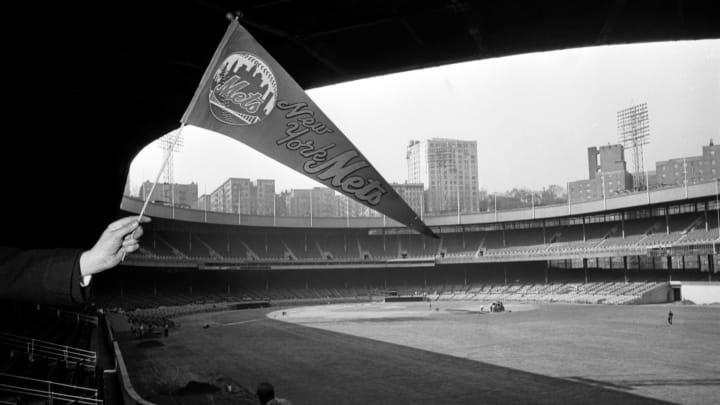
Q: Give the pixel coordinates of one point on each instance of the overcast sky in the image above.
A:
(533, 115)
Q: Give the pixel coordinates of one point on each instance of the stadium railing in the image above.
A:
(52, 391)
(35, 347)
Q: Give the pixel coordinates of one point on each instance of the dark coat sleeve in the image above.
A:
(41, 276)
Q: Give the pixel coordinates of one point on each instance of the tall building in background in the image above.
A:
(263, 197)
(281, 209)
(348, 207)
(320, 200)
(448, 170)
(232, 196)
(413, 194)
(182, 195)
(242, 196)
(417, 162)
(696, 169)
(608, 175)
(298, 203)
(203, 203)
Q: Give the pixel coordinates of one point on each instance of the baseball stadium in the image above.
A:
(606, 292)
(603, 272)
(377, 311)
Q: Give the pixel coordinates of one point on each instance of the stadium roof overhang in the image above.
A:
(92, 84)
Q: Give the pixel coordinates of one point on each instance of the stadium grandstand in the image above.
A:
(628, 249)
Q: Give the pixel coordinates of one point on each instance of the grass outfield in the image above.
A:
(407, 353)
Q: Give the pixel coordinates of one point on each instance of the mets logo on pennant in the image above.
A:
(244, 90)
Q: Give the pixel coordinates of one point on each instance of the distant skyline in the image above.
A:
(533, 115)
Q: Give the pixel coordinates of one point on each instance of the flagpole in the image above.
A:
(685, 177)
(157, 178)
(495, 195)
(532, 203)
(717, 209)
(172, 195)
(458, 203)
(567, 184)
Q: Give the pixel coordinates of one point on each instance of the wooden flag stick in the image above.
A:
(157, 178)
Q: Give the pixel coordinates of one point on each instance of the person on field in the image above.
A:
(670, 317)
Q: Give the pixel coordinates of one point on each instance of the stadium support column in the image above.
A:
(585, 269)
(711, 266)
(625, 267)
(505, 271)
(669, 267)
(190, 283)
(547, 265)
(699, 262)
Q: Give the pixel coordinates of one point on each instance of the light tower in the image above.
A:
(633, 127)
(170, 143)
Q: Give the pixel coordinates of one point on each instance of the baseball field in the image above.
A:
(447, 353)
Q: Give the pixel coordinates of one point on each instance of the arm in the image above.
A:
(41, 276)
(58, 276)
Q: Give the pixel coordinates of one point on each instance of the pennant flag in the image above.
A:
(246, 95)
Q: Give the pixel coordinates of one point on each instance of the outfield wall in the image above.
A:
(701, 292)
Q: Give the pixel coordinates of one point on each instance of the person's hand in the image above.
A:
(120, 237)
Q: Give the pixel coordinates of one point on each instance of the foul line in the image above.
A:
(241, 322)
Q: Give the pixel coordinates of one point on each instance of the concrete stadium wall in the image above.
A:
(625, 201)
(658, 295)
(128, 394)
(701, 292)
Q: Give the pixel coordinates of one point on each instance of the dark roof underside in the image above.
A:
(92, 84)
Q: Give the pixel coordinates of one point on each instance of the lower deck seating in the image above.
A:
(47, 349)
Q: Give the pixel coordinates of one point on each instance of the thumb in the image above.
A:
(125, 229)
